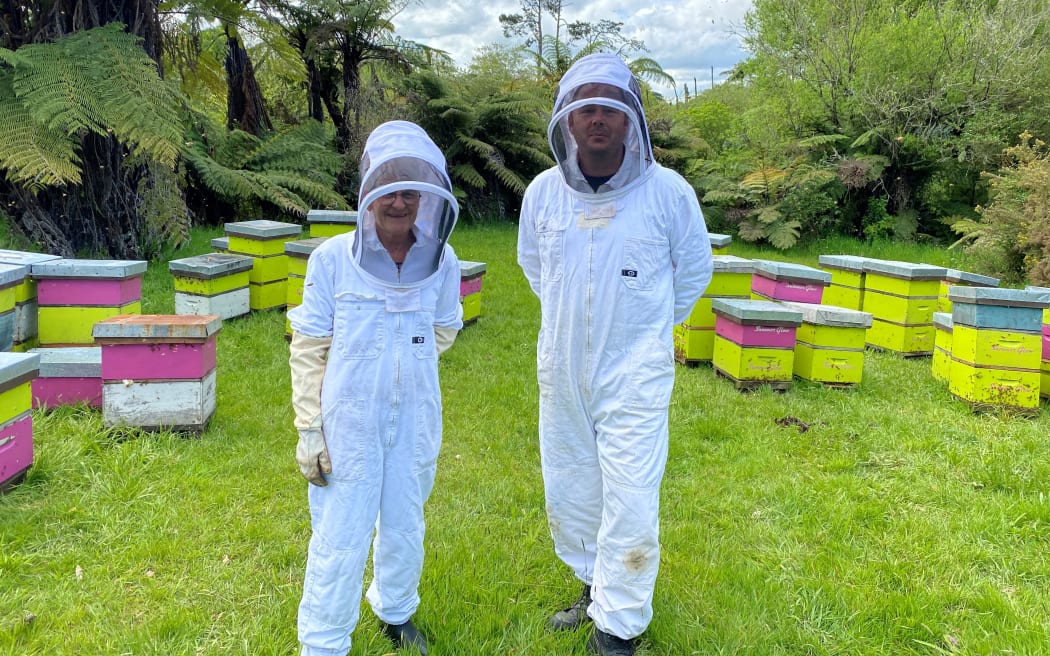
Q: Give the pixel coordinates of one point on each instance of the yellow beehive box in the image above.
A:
(942, 345)
(260, 238)
(210, 286)
(960, 278)
(471, 307)
(720, 243)
(828, 365)
(903, 339)
(731, 277)
(71, 324)
(902, 278)
(752, 363)
(268, 296)
(329, 223)
(268, 269)
(842, 296)
(693, 345)
(900, 309)
(994, 387)
(1044, 378)
(845, 270)
(16, 400)
(989, 347)
(827, 326)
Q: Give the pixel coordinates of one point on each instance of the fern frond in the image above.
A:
(509, 179)
(316, 194)
(30, 153)
(469, 175)
(768, 215)
(477, 146)
(59, 90)
(784, 234)
(282, 197)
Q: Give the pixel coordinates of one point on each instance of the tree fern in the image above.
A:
(98, 80)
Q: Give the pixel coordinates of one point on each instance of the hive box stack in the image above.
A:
(68, 375)
(470, 278)
(719, 243)
(329, 223)
(1044, 385)
(17, 371)
(956, 278)
(997, 346)
(263, 241)
(755, 342)
(694, 338)
(158, 370)
(901, 297)
(25, 296)
(784, 281)
(847, 281)
(12, 276)
(213, 283)
(298, 253)
(942, 346)
(221, 244)
(72, 295)
(829, 345)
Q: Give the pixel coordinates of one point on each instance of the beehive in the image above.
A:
(1046, 312)
(298, 253)
(158, 371)
(785, 281)
(221, 244)
(719, 243)
(17, 371)
(263, 241)
(213, 283)
(12, 277)
(25, 296)
(74, 294)
(942, 345)
(997, 346)
(754, 341)
(68, 375)
(329, 223)
(829, 345)
(847, 281)
(957, 278)
(694, 338)
(901, 297)
(470, 279)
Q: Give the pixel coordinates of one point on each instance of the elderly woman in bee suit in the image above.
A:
(379, 305)
(616, 248)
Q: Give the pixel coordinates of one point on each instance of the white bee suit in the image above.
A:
(614, 271)
(379, 399)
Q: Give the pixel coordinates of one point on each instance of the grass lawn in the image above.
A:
(883, 519)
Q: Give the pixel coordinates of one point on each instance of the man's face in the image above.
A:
(599, 130)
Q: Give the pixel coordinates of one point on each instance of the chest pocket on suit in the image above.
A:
(552, 247)
(360, 327)
(641, 261)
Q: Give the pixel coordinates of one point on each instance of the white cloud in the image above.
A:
(687, 38)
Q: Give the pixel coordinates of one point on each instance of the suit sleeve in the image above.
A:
(690, 254)
(528, 244)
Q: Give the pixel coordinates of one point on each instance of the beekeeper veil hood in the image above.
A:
(400, 158)
(600, 79)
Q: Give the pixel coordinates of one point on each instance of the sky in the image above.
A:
(688, 38)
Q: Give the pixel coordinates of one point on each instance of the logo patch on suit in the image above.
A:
(418, 339)
(629, 273)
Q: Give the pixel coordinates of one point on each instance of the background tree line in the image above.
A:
(128, 121)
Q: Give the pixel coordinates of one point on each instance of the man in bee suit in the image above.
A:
(379, 305)
(616, 249)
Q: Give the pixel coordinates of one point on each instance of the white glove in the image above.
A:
(312, 454)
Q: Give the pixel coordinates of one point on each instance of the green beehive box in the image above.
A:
(987, 347)
(961, 278)
(845, 270)
(942, 345)
(828, 365)
(719, 243)
(908, 310)
(329, 223)
(905, 340)
(825, 326)
(693, 345)
(991, 387)
(851, 298)
(902, 278)
(731, 277)
(747, 364)
(260, 238)
(1044, 378)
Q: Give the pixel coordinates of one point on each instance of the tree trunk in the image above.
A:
(244, 101)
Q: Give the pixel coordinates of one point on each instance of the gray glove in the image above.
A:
(312, 454)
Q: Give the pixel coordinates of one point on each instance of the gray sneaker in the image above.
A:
(574, 616)
(606, 644)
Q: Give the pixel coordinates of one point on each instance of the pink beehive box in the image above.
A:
(784, 281)
(68, 375)
(17, 371)
(158, 371)
(755, 335)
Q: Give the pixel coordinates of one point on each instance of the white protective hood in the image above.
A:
(399, 156)
(610, 70)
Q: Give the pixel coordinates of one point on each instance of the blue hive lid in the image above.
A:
(732, 264)
(719, 241)
(263, 229)
(746, 311)
(75, 268)
(943, 320)
(905, 270)
(967, 278)
(467, 269)
(302, 247)
(999, 296)
(791, 272)
(830, 315)
(210, 265)
(846, 262)
(341, 217)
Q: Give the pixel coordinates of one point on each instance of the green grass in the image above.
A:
(889, 519)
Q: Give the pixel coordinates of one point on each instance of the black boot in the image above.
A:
(405, 635)
(606, 644)
(574, 616)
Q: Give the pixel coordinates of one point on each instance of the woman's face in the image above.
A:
(396, 212)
